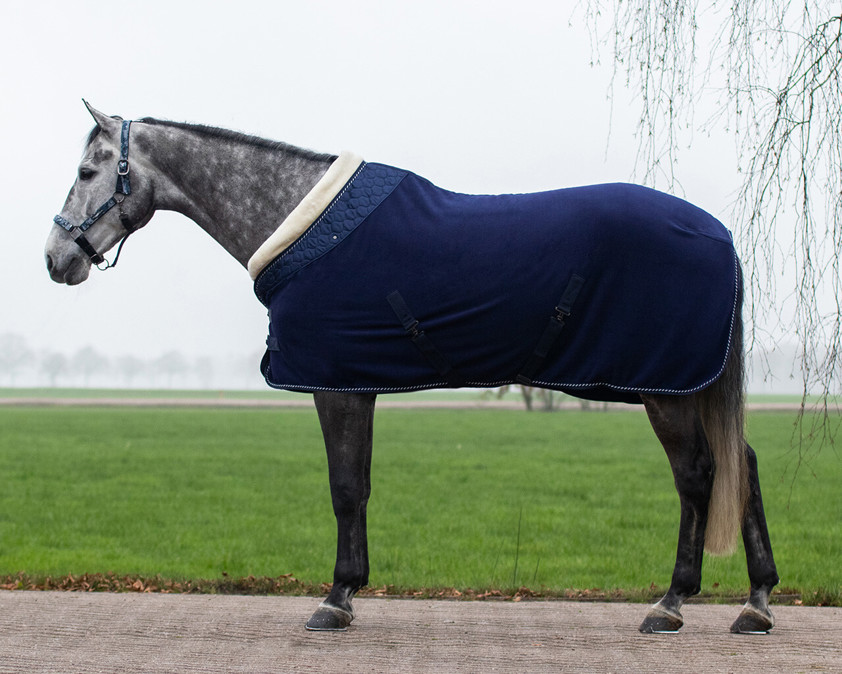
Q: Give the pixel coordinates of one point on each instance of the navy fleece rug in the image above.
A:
(603, 292)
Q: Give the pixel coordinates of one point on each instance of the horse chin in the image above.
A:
(80, 274)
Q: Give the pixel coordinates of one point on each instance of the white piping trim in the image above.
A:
(303, 215)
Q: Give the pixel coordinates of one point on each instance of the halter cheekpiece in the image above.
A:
(121, 191)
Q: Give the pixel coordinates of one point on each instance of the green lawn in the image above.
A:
(468, 499)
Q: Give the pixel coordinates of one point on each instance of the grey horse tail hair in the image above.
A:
(722, 411)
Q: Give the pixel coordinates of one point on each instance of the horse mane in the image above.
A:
(227, 134)
(238, 137)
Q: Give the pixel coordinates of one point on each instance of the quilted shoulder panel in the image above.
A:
(366, 189)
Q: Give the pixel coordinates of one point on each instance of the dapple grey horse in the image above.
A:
(236, 187)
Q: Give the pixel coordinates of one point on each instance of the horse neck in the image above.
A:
(238, 189)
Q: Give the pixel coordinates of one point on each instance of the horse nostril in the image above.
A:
(49, 263)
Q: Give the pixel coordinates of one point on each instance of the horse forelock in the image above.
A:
(92, 136)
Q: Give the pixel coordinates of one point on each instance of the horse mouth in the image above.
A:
(74, 273)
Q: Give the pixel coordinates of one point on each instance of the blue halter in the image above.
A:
(121, 191)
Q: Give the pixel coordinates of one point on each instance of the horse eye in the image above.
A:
(86, 173)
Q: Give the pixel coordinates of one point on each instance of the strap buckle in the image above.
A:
(561, 315)
(551, 333)
(422, 342)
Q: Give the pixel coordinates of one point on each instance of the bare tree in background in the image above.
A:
(172, 364)
(130, 366)
(772, 69)
(54, 364)
(87, 362)
(204, 371)
(15, 356)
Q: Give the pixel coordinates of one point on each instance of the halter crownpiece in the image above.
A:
(121, 191)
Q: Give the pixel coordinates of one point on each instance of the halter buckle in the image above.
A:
(123, 167)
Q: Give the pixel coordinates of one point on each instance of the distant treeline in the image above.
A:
(774, 371)
(21, 365)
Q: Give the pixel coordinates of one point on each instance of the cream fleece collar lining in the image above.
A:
(303, 215)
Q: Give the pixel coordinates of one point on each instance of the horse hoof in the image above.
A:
(662, 621)
(329, 619)
(753, 621)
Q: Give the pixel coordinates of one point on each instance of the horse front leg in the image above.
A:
(756, 616)
(679, 429)
(347, 421)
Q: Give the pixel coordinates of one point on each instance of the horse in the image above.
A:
(238, 187)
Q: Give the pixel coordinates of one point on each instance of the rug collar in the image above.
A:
(303, 215)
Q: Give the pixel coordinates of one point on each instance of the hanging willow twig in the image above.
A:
(773, 72)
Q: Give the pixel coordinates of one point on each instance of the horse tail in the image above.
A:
(722, 411)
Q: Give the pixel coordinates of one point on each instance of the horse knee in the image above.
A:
(348, 494)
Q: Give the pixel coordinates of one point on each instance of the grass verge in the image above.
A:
(480, 503)
(287, 585)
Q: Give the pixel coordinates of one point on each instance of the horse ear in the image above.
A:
(109, 125)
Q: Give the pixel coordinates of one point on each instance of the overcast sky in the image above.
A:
(477, 96)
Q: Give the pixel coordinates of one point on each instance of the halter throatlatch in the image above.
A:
(121, 191)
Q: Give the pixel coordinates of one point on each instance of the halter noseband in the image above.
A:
(122, 190)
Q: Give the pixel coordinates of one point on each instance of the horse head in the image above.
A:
(97, 215)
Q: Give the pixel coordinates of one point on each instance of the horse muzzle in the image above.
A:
(64, 264)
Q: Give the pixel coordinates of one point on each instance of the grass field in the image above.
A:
(466, 499)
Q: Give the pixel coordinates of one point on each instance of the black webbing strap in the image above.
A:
(90, 251)
(551, 332)
(421, 341)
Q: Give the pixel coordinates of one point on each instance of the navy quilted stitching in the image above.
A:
(361, 195)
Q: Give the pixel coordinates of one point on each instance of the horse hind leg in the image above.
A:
(679, 429)
(756, 616)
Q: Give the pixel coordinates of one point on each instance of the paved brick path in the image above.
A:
(79, 632)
